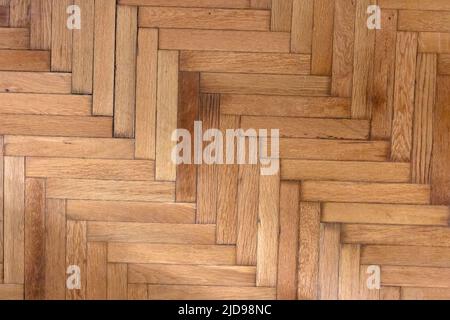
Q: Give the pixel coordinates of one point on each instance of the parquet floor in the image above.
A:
(86, 178)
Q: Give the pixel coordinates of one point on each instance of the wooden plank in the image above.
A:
(189, 3)
(35, 82)
(166, 114)
(110, 190)
(192, 275)
(19, 17)
(422, 143)
(146, 91)
(137, 291)
(4, 16)
(117, 281)
(241, 83)
(29, 146)
(11, 292)
(76, 253)
(151, 232)
(227, 190)
(322, 38)
(366, 192)
(309, 240)
(365, 292)
(14, 220)
(444, 64)
(69, 126)
(118, 211)
(302, 26)
(441, 144)
(314, 149)
(83, 49)
(406, 256)
(425, 277)
(363, 61)
(247, 202)
(104, 57)
(202, 18)
(207, 172)
(14, 38)
(242, 62)
(343, 39)
(171, 254)
(188, 108)
(405, 70)
(24, 60)
(285, 106)
(385, 214)
(162, 292)
(221, 40)
(61, 44)
(414, 4)
(425, 21)
(396, 235)
(137, 170)
(268, 230)
(411, 293)
(55, 250)
(329, 249)
(310, 128)
(35, 239)
(281, 15)
(261, 4)
(96, 271)
(349, 272)
(390, 293)
(345, 171)
(125, 77)
(41, 24)
(430, 42)
(1, 199)
(45, 104)
(384, 76)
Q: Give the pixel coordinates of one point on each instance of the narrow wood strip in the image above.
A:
(405, 70)
(11, 292)
(227, 276)
(415, 277)
(61, 44)
(366, 192)
(396, 235)
(385, 214)
(104, 57)
(117, 281)
(14, 38)
(19, 16)
(137, 170)
(145, 212)
(4, 16)
(425, 21)
(414, 4)
(423, 118)
(125, 77)
(24, 60)
(261, 4)
(430, 42)
(1, 198)
(390, 293)
(146, 92)
(55, 250)
(201, 18)
(322, 38)
(296, 106)
(110, 190)
(83, 49)
(329, 249)
(35, 234)
(302, 26)
(96, 271)
(365, 292)
(281, 15)
(189, 3)
(35, 82)
(137, 291)
(41, 24)
(171, 253)
(444, 64)
(76, 253)
(411, 293)
(343, 50)
(14, 220)
(220, 40)
(241, 83)
(188, 109)
(268, 230)
(349, 272)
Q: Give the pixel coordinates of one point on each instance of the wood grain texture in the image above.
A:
(302, 26)
(414, 4)
(444, 64)
(433, 42)
(14, 38)
(35, 82)
(19, 13)
(322, 38)
(411, 293)
(24, 60)
(76, 253)
(349, 280)
(190, 3)
(41, 24)
(96, 271)
(425, 21)
(117, 281)
(329, 248)
(281, 15)
(416, 276)
(61, 44)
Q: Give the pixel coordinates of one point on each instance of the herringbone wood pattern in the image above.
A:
(86, 118)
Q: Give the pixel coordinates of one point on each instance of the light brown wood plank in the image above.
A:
(261, 4)
(137, 291)
(281, 15)
(189, 3)
(414, 4)
(444, 64)
(14, 220)
(241, 83)
(145, 212)
(390, 293)
(425, 21)
(349, 272)
(1, 199)
(171, 254)
(146, 92)
(366, 192)
(41, 24)
(137, 170)
(117, 288)
(4, 15)
(322, 38)
(431, 42)
(302, 26)
(61, 44)
(35, 82)
(220, 40)
(110, 190)
(96, 271)
(227, 276)
(11, 292)
(24, 60)
(202, 18)
(329, 249)
(385, 214)
(76, 253)
(415, 277)
(14, 38)
(366, 293)
(19, 15)
(411, 293)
